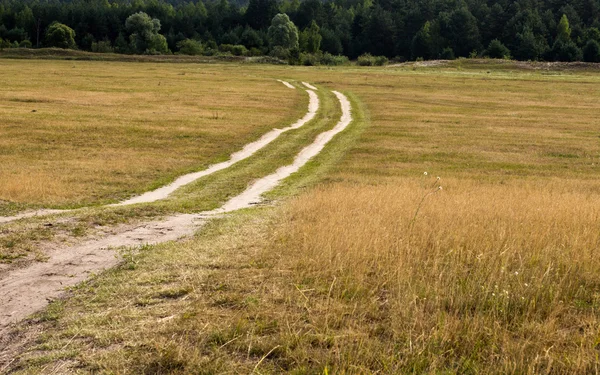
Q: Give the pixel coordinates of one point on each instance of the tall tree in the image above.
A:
(144, 36)
(380, 33)
(422, 43)
(311, 38)
(260, 13)
(461, 30)
(282, 32)
(563, 30)
(60, 35)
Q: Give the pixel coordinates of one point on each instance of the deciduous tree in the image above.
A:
(60, 35)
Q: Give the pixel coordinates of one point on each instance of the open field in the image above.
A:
(87, 133)
(365, 265)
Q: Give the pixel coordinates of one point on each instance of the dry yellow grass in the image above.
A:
(490, 279)
(496, 273)
(76, 133)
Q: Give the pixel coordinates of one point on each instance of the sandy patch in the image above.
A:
(287, 84)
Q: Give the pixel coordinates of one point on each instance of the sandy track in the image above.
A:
(24, 291)
(248, 150)
(253, 193)
(287, 84)
(163, 192)
(6, 219)
(309, 86)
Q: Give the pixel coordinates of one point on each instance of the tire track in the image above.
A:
(163, 192)
(27, 290)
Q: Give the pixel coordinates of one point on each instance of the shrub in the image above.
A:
(280, 53)
(366, 60)
(103, 46)
(210, 52)
(497, 50)
(234, 49)
(591, 51)
(25, 44)
(255, 52)
(239, 50)
(190, 47)
(381, 60)
(565, 51)
(333, 60)
(309, 59)
(447, 54)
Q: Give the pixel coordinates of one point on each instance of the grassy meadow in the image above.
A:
(366, 265)
(86, 133)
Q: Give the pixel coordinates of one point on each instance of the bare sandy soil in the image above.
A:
(309, 86)
(27, 290)
(286, 84)
(25, 215)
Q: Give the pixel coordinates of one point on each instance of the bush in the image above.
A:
(497, 50)
(447, 54)
(25, 44)
(190, 47)
(591, 51)
(60, 35)
(280, 53)
(333, 60)
(369, 60)
(381, 60)
(210, 52)
(366, 60)
(255, 52)
(234, 49)
(565, 51)
(103, 46)
(239, 50)
(309, 59)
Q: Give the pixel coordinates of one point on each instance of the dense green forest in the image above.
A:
(398, 29)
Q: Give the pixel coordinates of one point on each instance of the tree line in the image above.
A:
(549, 30)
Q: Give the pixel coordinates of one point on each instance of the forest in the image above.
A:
(546, 30)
